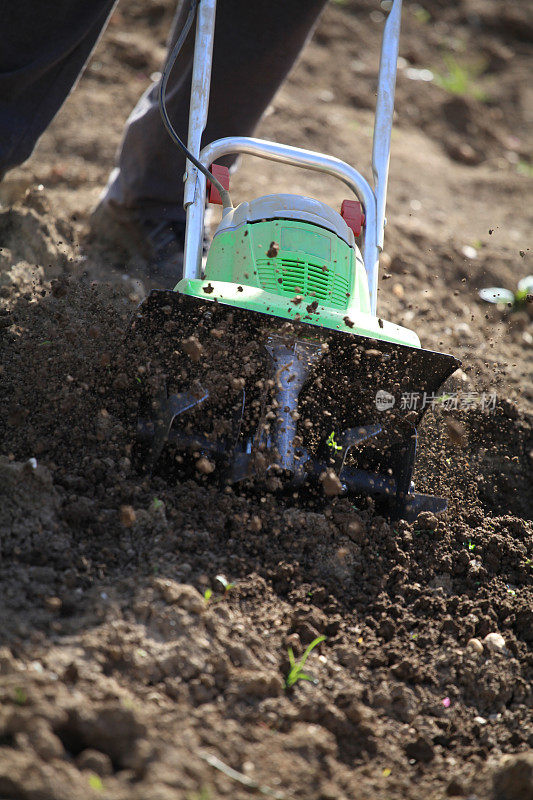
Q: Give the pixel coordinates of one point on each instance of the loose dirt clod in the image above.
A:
(273, 250)
(475, 645)
(456, 432)
(513, 778)
(330, 483)
(127, 516)
(193, 348)
(205, 466)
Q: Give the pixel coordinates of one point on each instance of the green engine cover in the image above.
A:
(296, 270)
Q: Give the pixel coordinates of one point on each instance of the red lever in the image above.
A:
(352, 214)
(222, 175)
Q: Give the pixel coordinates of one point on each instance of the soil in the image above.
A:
(127, 668)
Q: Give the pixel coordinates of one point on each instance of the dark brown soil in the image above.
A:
(120, 677)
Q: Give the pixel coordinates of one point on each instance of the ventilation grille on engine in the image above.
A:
(287, 276)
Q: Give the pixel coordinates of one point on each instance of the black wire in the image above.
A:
(224, 194)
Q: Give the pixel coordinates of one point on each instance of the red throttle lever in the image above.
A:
(222, 175)
(352, 214)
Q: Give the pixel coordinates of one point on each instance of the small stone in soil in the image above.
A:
(193, 348)
(53, 603)
(494, 642)
(127, 516)
(475, 646)
(330, 483)
(255, 524)
(205, 466)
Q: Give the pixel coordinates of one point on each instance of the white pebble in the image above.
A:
(468, 251)
(475, 645)
(494, 642)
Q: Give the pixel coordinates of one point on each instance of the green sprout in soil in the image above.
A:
(203, 794)
(461, 79)
(330, 441)
(524, 168)
(421, 15)
(471, 545)
(296, 672)
(208, 594)
(21, 698)
(505, 297)
(227, 586)
(95, 782)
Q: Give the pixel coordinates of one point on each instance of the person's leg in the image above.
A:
(256, 44)
(43, 51)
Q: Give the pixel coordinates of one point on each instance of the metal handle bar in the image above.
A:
(297, 157)
(373, 200)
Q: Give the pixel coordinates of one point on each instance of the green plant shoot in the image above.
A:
(296, 672)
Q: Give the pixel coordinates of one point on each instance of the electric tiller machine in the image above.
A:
(294, 284)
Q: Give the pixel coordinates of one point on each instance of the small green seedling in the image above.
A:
(421, 15)
(95, 782)
(461, 79)
(524, 168)
(296, 672)
(471, 545)
(21, 698)
(330, 441)
(506, 297)
(227, 586)
(208, 594)
(203, 794)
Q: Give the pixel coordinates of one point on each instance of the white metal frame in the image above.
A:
(372, 199)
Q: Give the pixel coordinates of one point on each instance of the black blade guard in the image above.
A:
(228, 385)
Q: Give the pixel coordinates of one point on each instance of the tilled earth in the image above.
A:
(127, 670)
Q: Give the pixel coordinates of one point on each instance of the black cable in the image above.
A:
(224, 194)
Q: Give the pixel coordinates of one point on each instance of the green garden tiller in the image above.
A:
(272, 362)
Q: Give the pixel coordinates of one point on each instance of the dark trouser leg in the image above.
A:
(256, 44)
(43, 51)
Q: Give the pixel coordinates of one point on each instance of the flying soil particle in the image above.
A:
(127, 516)
(205, 466)
(273, 250)
(330, 483)
(193, 348)
(456, 432)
